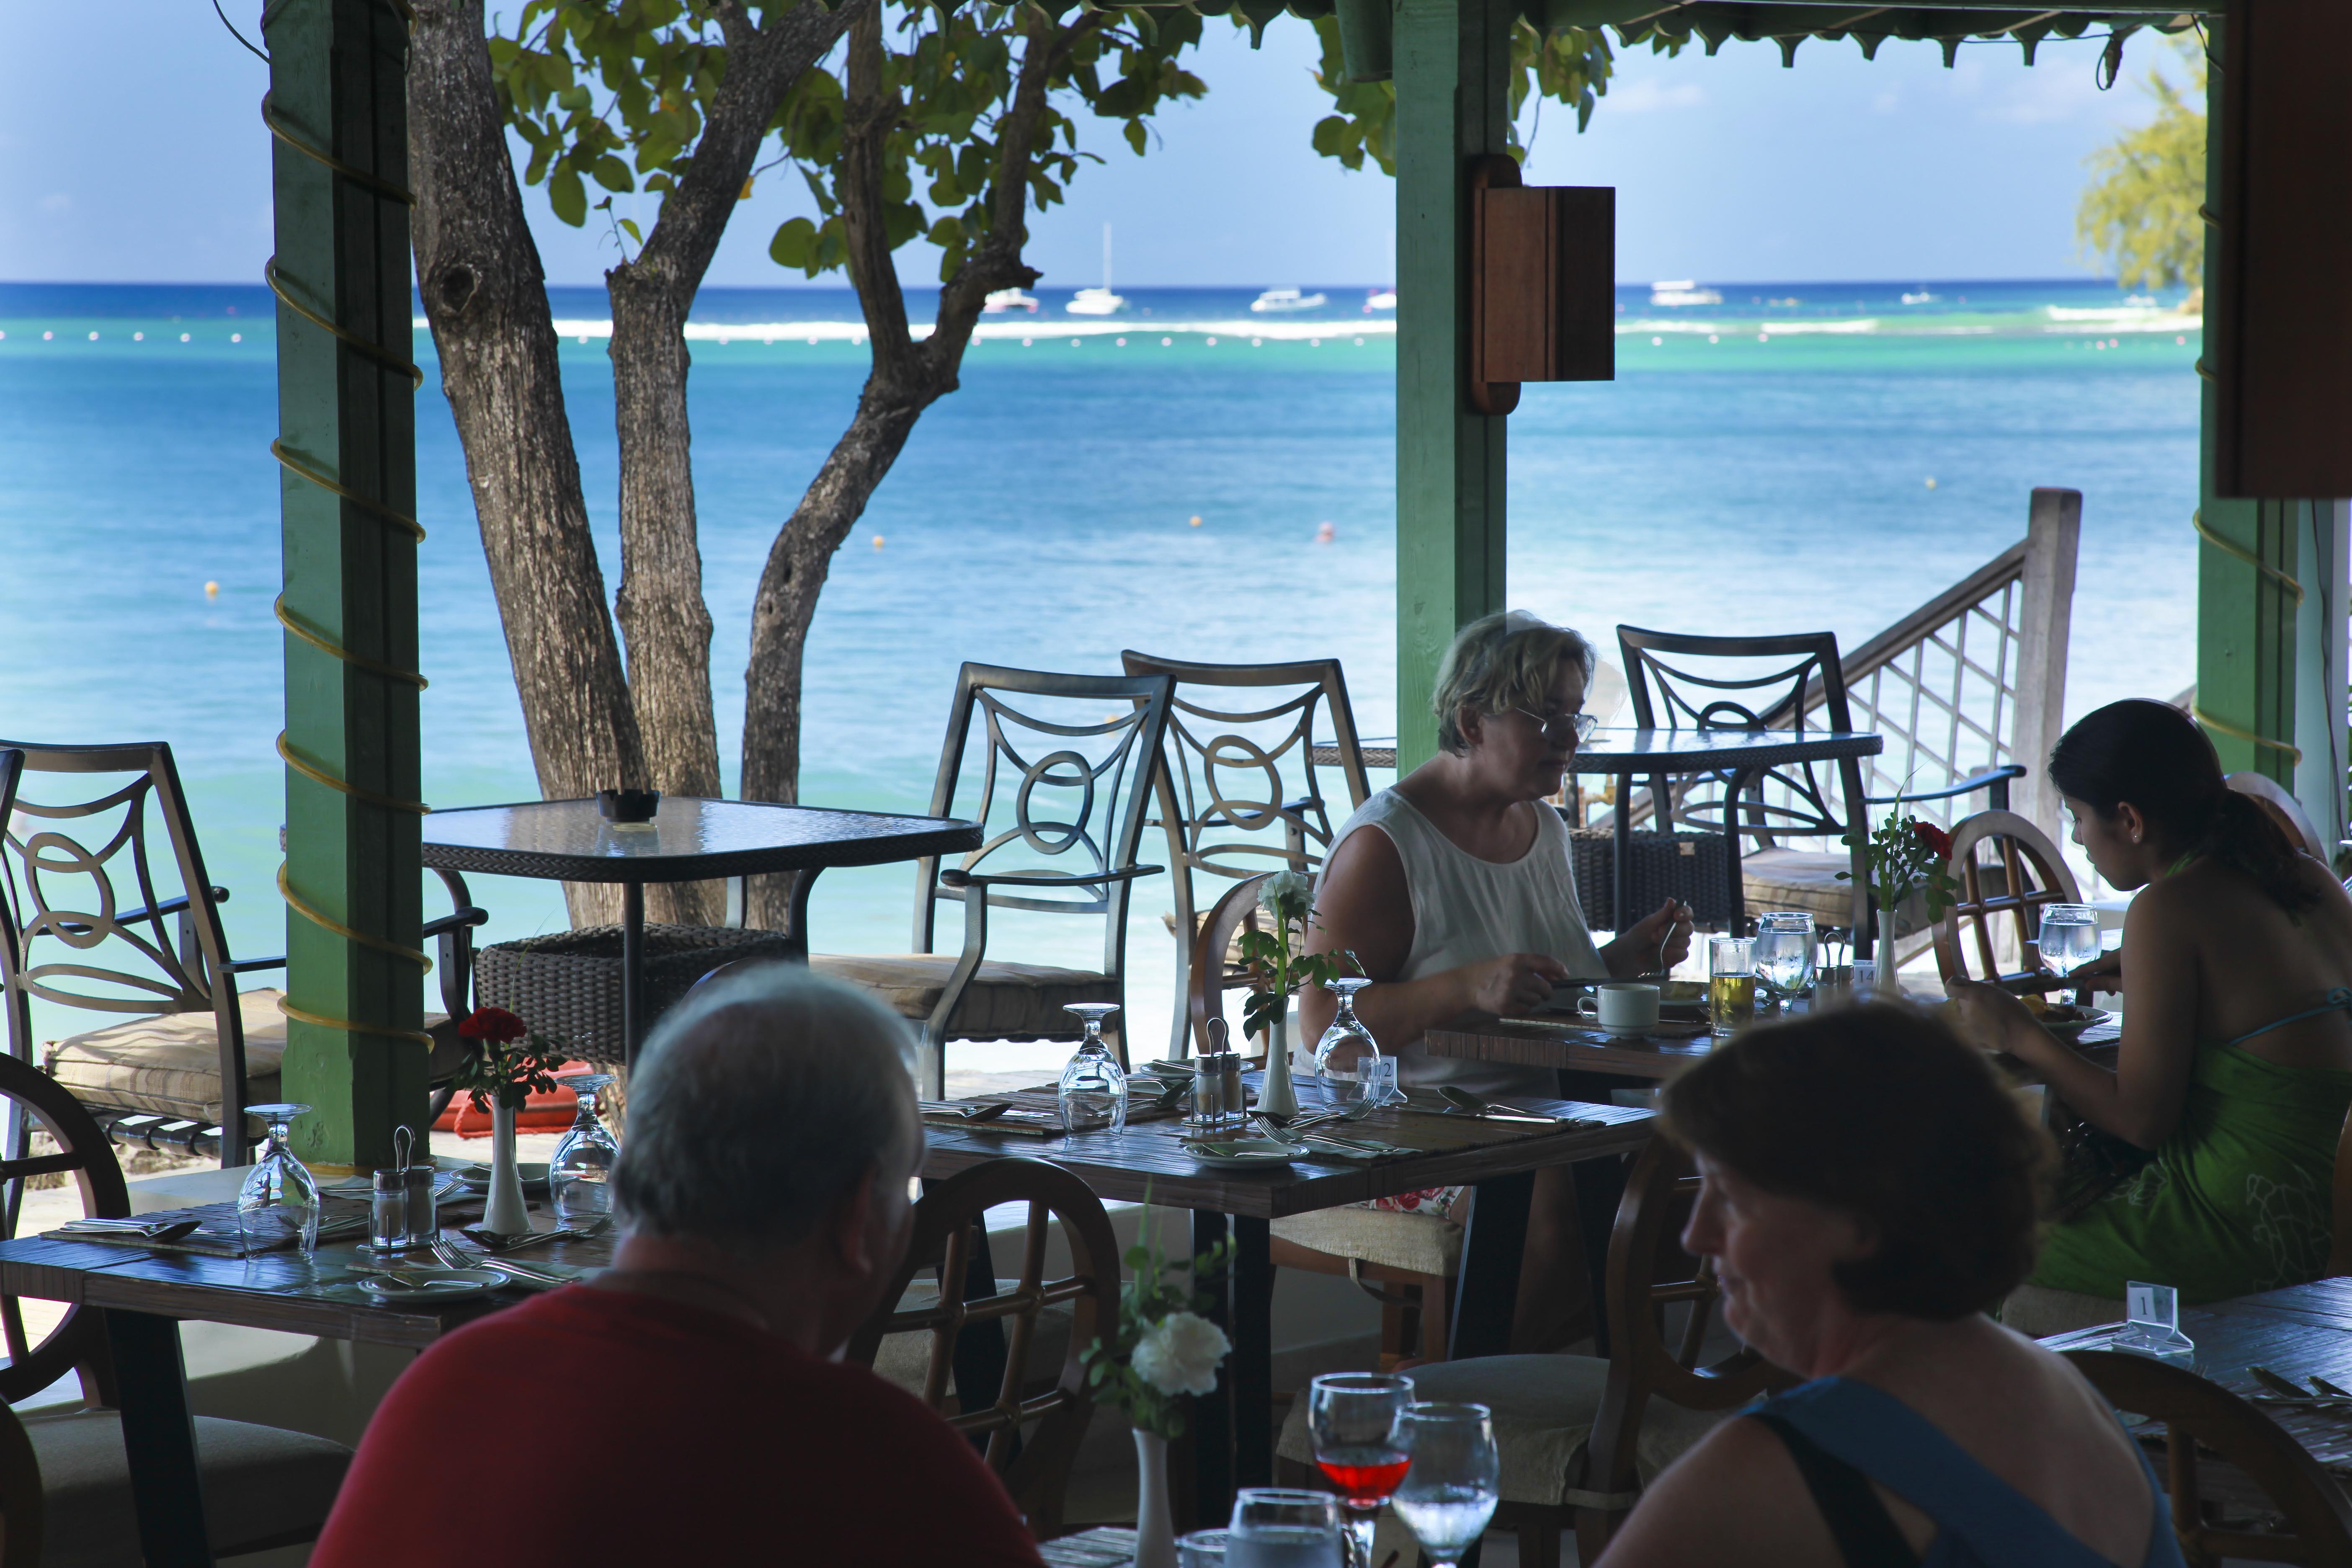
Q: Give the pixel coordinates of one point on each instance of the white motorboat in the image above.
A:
(1682, 291)
(1380, 299)
(1921, 298)
(1280, 301)
(1097, 301)
(1004, 299)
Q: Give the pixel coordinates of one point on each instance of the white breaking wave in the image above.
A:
(1776, 328)
(1026, 327)
(2124, 319)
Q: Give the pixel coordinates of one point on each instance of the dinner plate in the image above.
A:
(1243, 1153)
(478, 1177)
(2092, 1018)
(432, 1284)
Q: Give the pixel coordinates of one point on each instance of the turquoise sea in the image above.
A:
(1800, 456)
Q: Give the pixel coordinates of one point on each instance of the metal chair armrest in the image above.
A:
(953, 877)
(247, 965)
(1994, 779)
(465, 916)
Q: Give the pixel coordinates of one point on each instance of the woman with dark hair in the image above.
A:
(1867, 1190)
(2221, 1116)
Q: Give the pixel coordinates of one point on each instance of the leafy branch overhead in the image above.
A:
(2139, 210)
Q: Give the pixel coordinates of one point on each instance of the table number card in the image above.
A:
(2154, 1325)
(1381, 1084)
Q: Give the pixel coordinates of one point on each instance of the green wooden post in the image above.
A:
(338, 111)
(1452, 69)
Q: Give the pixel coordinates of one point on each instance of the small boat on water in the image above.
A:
(1682, 291)
(1097, 301)
(1921, 298)
(1004, 299)
(1280, 301)
(1380, 299)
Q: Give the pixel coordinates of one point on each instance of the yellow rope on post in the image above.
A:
(383, 356)
(2294, 753)
(327, 922)
(357, 660)
(2240, 552)
(325, 1021)
(373, 182)
(318, 775)
(398, 517)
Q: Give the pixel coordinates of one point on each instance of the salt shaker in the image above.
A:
(1208, 1091)
(388, 1212)
(1229, 1071)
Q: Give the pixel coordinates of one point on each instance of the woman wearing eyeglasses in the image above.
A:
(1454, 890)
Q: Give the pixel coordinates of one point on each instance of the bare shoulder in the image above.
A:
(1735, 1498)
(1365, 865)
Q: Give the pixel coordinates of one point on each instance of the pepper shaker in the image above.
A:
(1229, 1067)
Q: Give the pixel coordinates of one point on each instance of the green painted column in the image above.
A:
(338, 114)
(1452, 62)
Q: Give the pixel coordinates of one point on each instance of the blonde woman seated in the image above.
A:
(2211, 1152)
(1455, 888)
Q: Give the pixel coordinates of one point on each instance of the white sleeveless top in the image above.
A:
(1467, 909)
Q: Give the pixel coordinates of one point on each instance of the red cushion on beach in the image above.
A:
(549, 1113)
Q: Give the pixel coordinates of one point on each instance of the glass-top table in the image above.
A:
(689, 839)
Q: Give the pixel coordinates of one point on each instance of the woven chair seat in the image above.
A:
(170, 1063)
(263, 1487)
(1807, 879)
(1419, 1243)
(1005, 1001)
(1544, 1409)
(2037, 1311)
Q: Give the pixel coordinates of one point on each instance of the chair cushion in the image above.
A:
(1420, 1243)
(1005, 1001)
(1544, 1407)
(2038, 1312)
(1807, 879)
(170, 1063)
(906, 1358)
(263, 1486)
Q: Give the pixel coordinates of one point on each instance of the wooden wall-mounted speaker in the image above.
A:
(2278, 320)
(1543, 281)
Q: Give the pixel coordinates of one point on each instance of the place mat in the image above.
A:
(1036, 1114)
(1589, 1034)
(219, 1232)
(1105, 1546)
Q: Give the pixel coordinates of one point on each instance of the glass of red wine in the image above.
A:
(1355, 1421)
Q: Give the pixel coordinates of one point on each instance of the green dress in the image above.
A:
(2237, 1200)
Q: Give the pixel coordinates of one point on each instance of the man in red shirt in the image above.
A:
(683, 1406)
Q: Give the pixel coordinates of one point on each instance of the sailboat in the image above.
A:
(1099, 302)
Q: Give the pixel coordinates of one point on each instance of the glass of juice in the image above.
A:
(1355, 1420)
(1731, 983)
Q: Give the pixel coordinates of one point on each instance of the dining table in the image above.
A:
(689, 840)
(1148, 1161)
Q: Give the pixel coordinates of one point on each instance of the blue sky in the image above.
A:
(1726, 169)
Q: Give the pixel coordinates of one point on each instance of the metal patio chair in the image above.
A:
(183, 1065)
(1027, 766)
(1237, 789)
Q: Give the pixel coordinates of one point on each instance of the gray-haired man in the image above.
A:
(682, 1407)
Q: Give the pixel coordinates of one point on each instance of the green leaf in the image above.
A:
(613, 174)
(567, 196)
(629, 227)
(790, 247)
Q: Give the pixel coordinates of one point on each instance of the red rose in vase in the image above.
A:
(493, 1024)
(1937, 840)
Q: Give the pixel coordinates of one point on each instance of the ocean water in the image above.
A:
(1798, 457)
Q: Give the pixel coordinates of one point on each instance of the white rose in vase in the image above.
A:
(1179, 1354)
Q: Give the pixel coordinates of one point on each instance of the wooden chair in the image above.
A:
(1229, 779)
(2027, 873)
(1031, 1439)
(264, 1488)
(2285, 813)
(1580, 1435)
(2202, 1416)
(1803, 677)
(1102, 793)
(189, 1062)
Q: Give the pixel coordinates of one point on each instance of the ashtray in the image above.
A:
(628, 804)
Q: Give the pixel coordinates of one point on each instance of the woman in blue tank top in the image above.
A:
(1868, 1189)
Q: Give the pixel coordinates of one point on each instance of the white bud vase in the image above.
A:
(1274, 1095)
(505, 1214)
(1155, 1525)
(1889, 984)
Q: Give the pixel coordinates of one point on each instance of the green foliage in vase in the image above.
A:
(1163, 1347)
(2139, 211)
(1904, 853)
(1276, 964)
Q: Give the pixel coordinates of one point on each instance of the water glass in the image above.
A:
(1355, 1420)
(1093, 1091)
(1784, 950)
(1273, 1528)
(280, 1198)
(1345, 1054)
(1731, 983)
(1448, 1496)
(1201, 1549)
(2070, 936)
(580, 1173)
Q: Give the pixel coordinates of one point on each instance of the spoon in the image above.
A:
(1467, 1104)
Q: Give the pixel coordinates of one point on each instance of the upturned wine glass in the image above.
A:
(1355, 1421)
(1345, 1054)
(1093, 1090)
(279, 1197)
(1449, 1495)
(579, 1175)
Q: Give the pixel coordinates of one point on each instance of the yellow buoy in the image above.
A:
(1931, 483)
(877, 541)
(1196, 522)
(211, 590)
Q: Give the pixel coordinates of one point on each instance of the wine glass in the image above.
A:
(1271, 1527)
(579, 1175)
(279, 1197)
(1784, 950)
(1354, 1420)
(1449, 1494)
(2070, 936)
(1093, 1090)
(1345, 1054)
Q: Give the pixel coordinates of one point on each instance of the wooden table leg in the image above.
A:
(633, 970)
(158, 1438)
(1253, 1334)
(1213, 1418)
(1493, 1245)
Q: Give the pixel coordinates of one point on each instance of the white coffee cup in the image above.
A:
(1625, 1008)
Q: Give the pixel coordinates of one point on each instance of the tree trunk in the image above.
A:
(485, 299)
(908, 377)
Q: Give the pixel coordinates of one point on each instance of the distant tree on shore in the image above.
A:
(2139, 211)
(906, 121)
